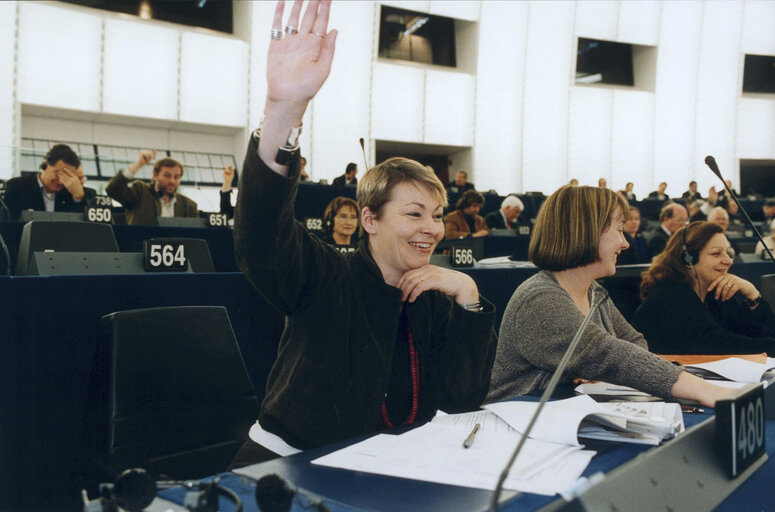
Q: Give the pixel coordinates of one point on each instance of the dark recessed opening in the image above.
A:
(757, 178)
(604, 62)
(417, 37)
(212, 14)
(759, 73)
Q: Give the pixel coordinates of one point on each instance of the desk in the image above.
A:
(344, 490)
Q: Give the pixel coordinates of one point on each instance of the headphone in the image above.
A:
(689, 258)
(334, 206)
(135, 490)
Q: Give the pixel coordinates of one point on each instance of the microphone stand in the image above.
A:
(597, 299)
(711, 163)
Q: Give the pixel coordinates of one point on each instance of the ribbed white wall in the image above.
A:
(528, 126)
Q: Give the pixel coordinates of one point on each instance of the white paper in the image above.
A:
(607, 389)
(736, 369)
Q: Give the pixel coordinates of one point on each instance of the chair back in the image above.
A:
(180, 403)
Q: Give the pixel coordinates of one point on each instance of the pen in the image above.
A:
(470, 439)
(690, 409)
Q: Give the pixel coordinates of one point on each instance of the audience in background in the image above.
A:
(672, 217)
(576, 240)
(228, 178)
(602, 183)
(464, 221)
(769, 241)
(693, 305)
(348, 178)
(767, 212)
(144, 202)
(58, 187)
(692, 194)
(695, 210)
(573, 182)
(637, 252)
(460, 184)
(628, 193)
(659, 193)
(720, 216)
(507, 215)
(724, 198)
(340, 220)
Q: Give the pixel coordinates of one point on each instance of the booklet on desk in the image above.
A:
(564, 421)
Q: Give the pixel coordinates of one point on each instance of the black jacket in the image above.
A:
(335, 356)
(23, 193)
(675, 321)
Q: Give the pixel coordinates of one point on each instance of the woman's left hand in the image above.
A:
(430, 277)
(729, 284)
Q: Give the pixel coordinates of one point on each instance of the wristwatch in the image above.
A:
(752, 303)
(288, 149)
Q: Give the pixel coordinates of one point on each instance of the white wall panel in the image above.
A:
(141, 69)
(409, 5)
(758, 34)
(597, 19)
(213, 80)
(639, 22)
(340, 111)
(755, 128)
(397, 103)
(449, 108)
(458, 9)
(548, 70)
(589, 134)
(717, 91)
(7, 86)
(675, 95)
(632, 131)
(497, 150)
(59, 57)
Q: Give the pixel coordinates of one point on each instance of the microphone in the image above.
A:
(597, 299)
(363, 149)
(711, 163)
(274, 494)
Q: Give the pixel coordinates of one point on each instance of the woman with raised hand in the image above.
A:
(576, 239)
(693, 305)
(373, 338)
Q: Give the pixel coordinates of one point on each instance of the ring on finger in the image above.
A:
(291, 30)
(321, 36)
(277, 34)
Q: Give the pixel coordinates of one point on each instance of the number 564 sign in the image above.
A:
(161, 256)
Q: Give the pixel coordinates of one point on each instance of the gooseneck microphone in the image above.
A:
(363, 149)
(274, 494)
(711, 163)
(598, 298)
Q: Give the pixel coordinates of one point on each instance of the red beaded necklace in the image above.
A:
(414, 372)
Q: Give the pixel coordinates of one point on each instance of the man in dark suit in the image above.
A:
(672, 217)
(659, 193)
(57, 188)
(507, 216)
(348, 178)
(460, 184)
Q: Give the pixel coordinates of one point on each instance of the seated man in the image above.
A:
(465, 221)
(507, 217)
(145, 202)
(672, 217)
(348, 178)
(460, 184)
(659, 193)
(57, 188)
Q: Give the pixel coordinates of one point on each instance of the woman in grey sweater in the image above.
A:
(577, 236)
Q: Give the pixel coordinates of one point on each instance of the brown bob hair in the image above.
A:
(333, 208)
(569, 224)
(670, 263)
(376, 186)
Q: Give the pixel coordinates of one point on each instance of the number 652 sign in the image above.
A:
(161, 256)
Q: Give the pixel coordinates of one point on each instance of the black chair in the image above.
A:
(170, 393)
(182, 222)
(197, 252)
(40, 236)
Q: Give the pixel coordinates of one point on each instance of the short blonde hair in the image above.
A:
(569, 224)
(376, 186)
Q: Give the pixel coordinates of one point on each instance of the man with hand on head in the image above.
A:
(57, 188)
(144, 202)
(507, 217)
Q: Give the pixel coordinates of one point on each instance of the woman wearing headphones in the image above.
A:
(340, 220)
(693, 305)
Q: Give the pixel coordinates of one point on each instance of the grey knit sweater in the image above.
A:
(538, 325)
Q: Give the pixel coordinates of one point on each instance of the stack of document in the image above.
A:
(732, 369)
(564, 421)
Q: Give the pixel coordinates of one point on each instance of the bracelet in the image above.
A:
(473, 306)
(752, 303)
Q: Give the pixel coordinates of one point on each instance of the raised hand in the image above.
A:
(145, 157)
(228, 177)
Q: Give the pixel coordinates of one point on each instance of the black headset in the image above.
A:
(689, 258)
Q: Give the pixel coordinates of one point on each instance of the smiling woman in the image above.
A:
(693, 305)
(374, 338)
(577, 237)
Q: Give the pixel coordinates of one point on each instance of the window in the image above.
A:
(759, 74)
(416, 37)
(604, 62)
